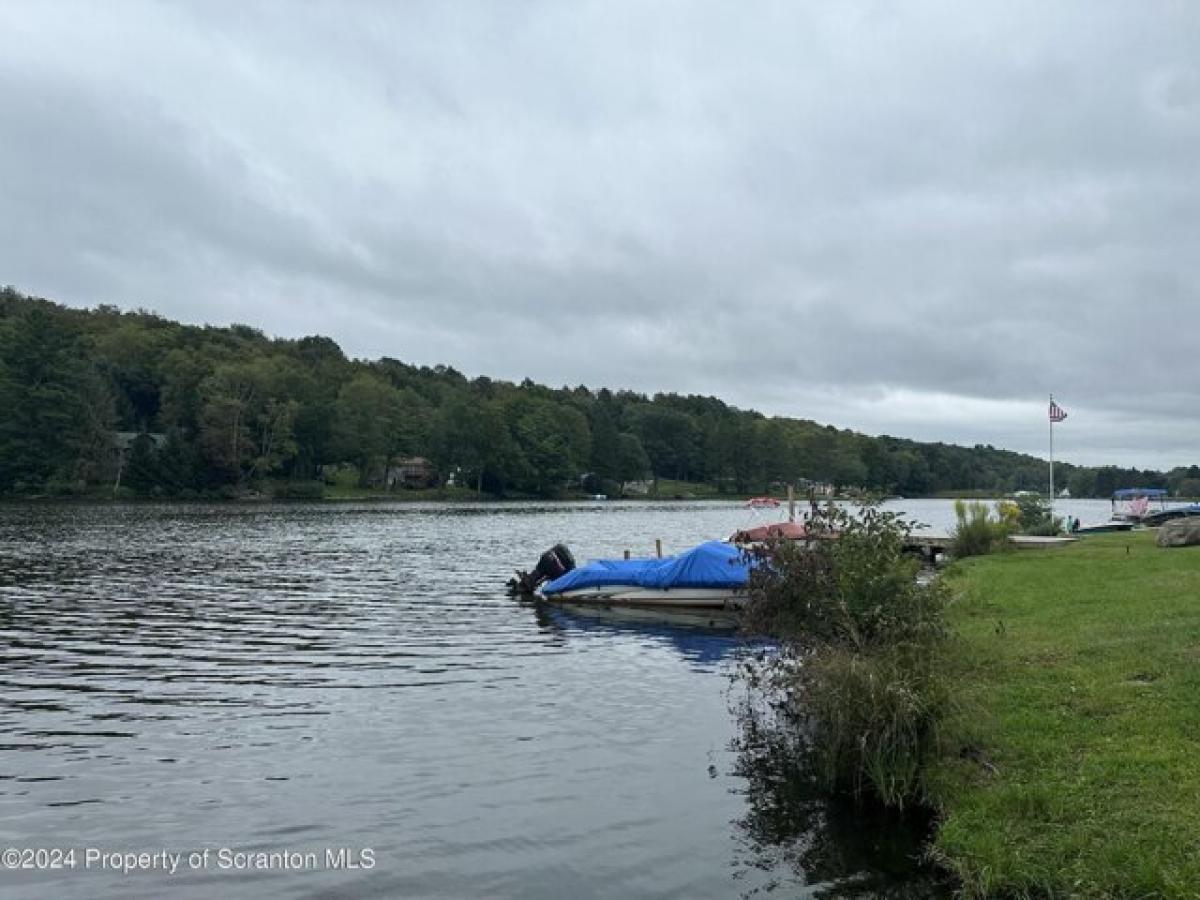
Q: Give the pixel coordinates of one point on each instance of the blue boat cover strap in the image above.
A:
(714, 564)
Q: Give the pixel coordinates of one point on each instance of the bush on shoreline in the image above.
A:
(857, 673)
(1034, 517)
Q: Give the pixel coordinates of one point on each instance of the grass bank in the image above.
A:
(1079, 675)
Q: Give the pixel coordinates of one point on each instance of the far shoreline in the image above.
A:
(466, 497)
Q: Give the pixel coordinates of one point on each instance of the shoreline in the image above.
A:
(457, 496)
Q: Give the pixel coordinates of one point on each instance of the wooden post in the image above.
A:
(658, 547)
(627, 554)
(791, 503)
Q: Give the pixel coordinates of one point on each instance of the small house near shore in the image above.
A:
(413, 472)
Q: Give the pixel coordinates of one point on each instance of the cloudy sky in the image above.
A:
(910, 218)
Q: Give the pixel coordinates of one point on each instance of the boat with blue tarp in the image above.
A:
(712, 575)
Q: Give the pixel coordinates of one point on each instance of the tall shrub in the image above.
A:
(1035, 516)
(860, 637)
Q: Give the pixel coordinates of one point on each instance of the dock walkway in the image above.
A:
(929, 545)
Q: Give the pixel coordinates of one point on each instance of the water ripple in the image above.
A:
(308, 676)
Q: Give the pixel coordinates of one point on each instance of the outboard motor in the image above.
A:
(554, 563)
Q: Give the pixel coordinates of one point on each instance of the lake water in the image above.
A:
(303, 678)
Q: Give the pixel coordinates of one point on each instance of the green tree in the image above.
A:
(369, 425)
(239, 406)
(670, 438)
(848, 469)
(46, 381)
(131, 354)
(182, 371)
(555, 441)
(606, 442)
(820, 453)
(246, 419)
(320, 371)
(95, 455)
(632, 463)
(472, 440)
(1188, 487)
(774, 452)
(721, 451)
(141, 473)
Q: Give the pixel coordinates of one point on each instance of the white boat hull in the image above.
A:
(626, 595)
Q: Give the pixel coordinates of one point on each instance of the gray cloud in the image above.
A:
(915, 219)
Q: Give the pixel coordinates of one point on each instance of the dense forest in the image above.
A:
(109, 402)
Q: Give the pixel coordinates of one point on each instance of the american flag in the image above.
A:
(1057, 413)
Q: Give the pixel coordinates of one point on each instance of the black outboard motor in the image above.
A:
(554, 563)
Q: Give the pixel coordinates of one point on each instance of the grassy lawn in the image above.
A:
(1079, 672)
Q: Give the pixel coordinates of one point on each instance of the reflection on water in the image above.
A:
(830, 848)
(295, 677)
(703, 638)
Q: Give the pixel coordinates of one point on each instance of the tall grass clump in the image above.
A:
(857, 675)
(978, 531)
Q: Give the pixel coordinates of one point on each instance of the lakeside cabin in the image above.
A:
(412, 472)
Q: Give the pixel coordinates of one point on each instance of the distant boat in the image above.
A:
(762, 503)
(1134, 504)
(1169, 513)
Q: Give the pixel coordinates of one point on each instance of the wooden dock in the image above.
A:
(1038, 542)
(930, 545)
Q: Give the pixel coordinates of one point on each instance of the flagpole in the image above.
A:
(1051, 460)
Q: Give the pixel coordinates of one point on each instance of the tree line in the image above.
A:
(220, 411)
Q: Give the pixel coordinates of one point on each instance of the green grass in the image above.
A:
(1074, 760)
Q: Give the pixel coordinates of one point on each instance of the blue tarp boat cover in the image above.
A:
(714, 564)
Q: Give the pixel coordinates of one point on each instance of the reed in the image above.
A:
(978, 531)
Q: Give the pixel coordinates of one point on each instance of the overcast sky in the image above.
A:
(908, 218)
